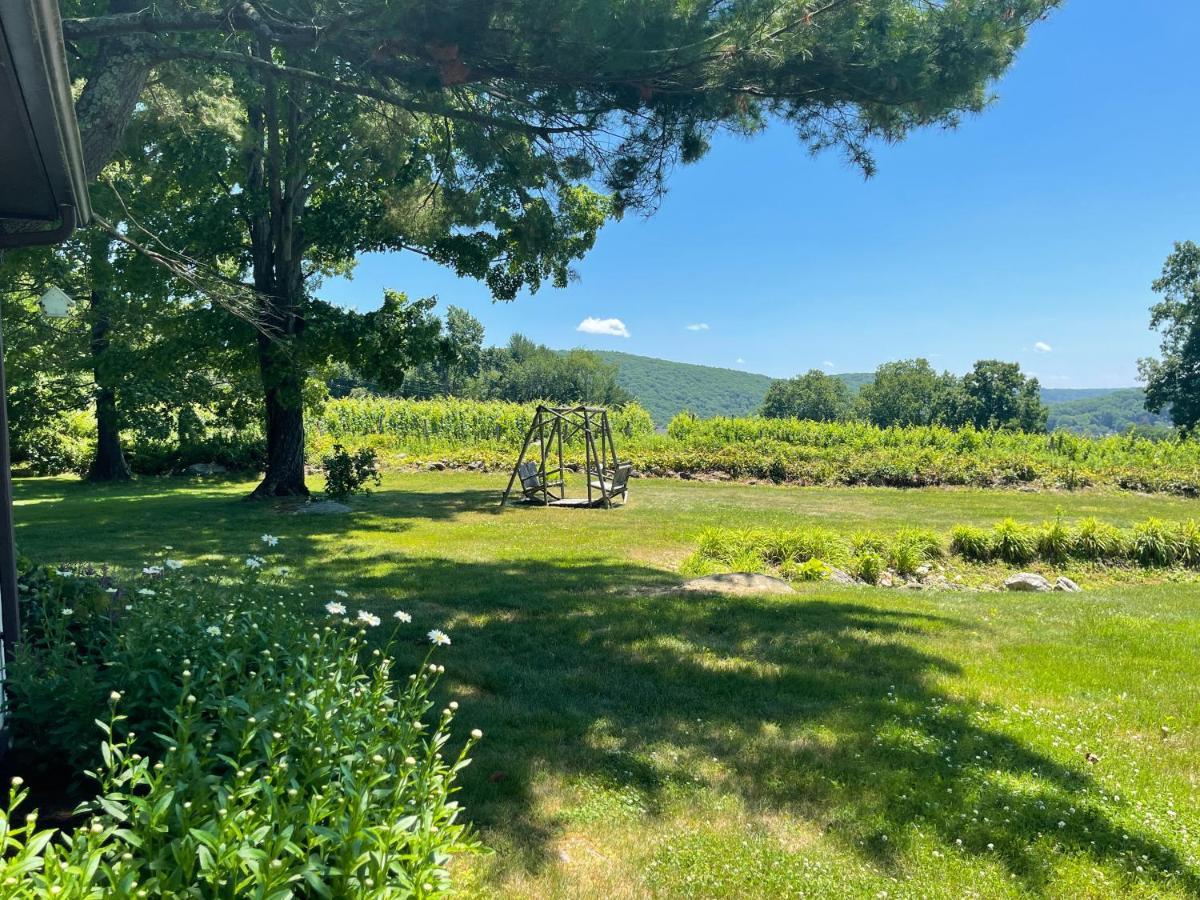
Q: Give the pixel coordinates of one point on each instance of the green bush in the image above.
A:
(349, 473)
(244, 750)
(905, 558)
(1014, 542)
(1097, 541)
(1154, 543)
(809, 570)
(868, 566)
(1188, 543)
(971, 543)
(1055, 541)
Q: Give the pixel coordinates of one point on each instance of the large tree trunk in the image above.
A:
(275, 173)
(283, 384)
(109, 462)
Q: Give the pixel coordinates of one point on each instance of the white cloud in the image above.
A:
(1042, 347)
(612, 327)
(698, 326)
(827, 364)
(740, 361)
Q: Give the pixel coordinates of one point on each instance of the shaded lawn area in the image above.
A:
(842, 742)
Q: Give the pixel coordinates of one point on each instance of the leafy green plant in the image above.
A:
(971, 543)
(926, 543)
(1154, 543)
(349, 473)
(1097, 541)
(868, 566)
(809, 570)
(1055, 540)
(1014, 542)
(246, 751)
(905, 557)
(1188, 543)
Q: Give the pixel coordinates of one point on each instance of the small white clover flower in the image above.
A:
(401, 616)
(269, 539)
(335, 609)
(152, 570)
(368, 618)
(173, 563)
(213, 630)
(438, 637)
(67, 611)
(146, 592)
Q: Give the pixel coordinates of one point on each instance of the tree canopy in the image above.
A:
(813, 395)
(1174, 380)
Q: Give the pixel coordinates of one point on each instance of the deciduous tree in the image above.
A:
(1174, 380)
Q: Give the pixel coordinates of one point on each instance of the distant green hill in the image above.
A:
(1099, 412)
(667, 388)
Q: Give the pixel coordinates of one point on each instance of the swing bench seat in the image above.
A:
(617, 485)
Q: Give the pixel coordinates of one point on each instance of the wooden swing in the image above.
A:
(541, 474)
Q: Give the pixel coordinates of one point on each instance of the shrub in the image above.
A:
(349, 473)
(971, 543)
(868, 567)
(1154, 543)
(862, 542)
(1097, 541)
(809, 570)
(1188, 543)
(245, 751)
(905, 558)
(1055, 541)
(928, 544)
(1013, 542)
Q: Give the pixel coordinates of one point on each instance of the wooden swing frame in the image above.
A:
(540, 474)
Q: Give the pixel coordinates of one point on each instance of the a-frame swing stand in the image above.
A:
(540, 474)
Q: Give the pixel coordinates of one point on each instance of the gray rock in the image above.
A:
(322, 508)
(436, 466)
(1063, 583)
(206, 469)
(737, 583)
(837, 576)
(1027, 581)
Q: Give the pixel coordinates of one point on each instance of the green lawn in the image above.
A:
(842, 742)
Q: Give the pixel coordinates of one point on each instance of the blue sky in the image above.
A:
(1039, 224)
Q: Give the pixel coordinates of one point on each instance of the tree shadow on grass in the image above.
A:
(823, 708)
(123, 522)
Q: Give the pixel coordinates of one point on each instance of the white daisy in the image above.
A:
(173, 564)
(269, 539)
(67, 611)
(437, 636)
(335, 609)
(213, 630)
(368, 618)
(401, 616)
(146, 592)
(254, 562)
(152, 570)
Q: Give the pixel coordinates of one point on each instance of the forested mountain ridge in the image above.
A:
(666, 388)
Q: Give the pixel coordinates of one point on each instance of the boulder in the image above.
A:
(837, 576)
(206, 469)
(1063, 583)
(1027, 581)
(737, 583)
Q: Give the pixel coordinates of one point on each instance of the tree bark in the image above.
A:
(275, 175)
(113, 87)
(108, 464)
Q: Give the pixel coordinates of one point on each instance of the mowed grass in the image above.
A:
(842, 742)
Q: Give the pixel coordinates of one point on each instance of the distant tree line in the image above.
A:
(520, 371)
(992, 395)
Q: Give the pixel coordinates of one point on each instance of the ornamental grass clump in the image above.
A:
(1014, 542)
(1154, 543)
(247, 751)
(1097, 541)
(971, 543)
